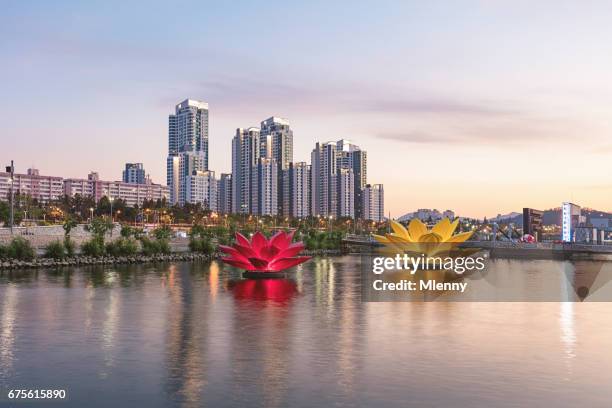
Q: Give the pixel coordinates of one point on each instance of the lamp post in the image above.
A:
(11, 170)
(91, 214)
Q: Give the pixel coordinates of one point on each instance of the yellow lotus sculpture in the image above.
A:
(419, 239)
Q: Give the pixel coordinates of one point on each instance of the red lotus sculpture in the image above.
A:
(263, 255)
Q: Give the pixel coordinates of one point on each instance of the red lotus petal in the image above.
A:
(269, 252)
(291, 251)
(247, 251)
(234, 253)
(238, 264)
(226, 249)
(289, 237)
(258, 242)
(284, 263)
(260, 264)
(242, 240)
(279, 240)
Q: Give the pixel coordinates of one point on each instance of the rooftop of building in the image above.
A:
(192, 102)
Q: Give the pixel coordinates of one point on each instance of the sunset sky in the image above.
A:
(482, 107)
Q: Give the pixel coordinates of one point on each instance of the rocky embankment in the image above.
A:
(41, 262)
(105, 260)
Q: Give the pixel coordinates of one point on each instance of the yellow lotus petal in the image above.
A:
(381, 239)
(461, 237)
(445, 228)
(416, 229)
(400, 230)
(397, 239)
(431, 237)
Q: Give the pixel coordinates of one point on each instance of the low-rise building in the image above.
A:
(133, 194)
(32, 184)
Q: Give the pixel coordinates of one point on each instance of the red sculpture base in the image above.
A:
(263, 275)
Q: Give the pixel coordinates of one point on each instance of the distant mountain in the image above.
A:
(507, 218)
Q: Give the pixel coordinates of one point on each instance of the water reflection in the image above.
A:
(7, 332)
(275, 290)
(194, 335)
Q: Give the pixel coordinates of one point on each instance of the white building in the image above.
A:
(266, 188)
(187, 145)
(571, 217)
(373, 202)
(202, 187)
(346, 193)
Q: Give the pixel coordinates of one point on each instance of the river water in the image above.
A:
(196, 334)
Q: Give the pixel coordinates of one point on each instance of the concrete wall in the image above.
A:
(40, 236)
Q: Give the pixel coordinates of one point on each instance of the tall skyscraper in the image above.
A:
(187, 146)
(334, 166)
(265, 191)
(245, 158)
(225, 193)
(134, 173)
(373, 198)
(346, 193)
(276, 142)
(324, 183)
(350, 156)
(296, 185)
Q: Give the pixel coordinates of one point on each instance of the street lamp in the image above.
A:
(11, 170)
(91, 214)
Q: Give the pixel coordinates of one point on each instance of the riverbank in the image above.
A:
(81, 260)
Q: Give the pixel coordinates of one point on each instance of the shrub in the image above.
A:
(163, 232)
(157, 246)
(3, 251)
(69, 246)
(127, 231)
(122, 247)
(203, 245)
(93, 247)
(55, 250)
(20, 248)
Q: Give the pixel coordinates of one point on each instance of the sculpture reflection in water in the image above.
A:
(275, 290)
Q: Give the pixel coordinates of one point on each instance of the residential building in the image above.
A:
(333, 164)
(202, 188)
(346, 193)
(245, 158)
(32, 184)
(297, 189)
(276, 142)
(350, 156)
(187, 146)
(134, 173)
(265, 188)
(133, 194)
(188, 164)
(225, 193)
(373, 202)
(324, 197)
